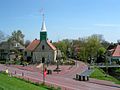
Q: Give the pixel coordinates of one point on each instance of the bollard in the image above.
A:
(15, 72)
(80, 78)
(77, 77)
(83, 78)
(28, 79)
(87, 78)
(22, 74)
(50, 71)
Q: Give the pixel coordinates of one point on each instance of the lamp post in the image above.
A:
(57, 62)
(58, 59)
(43, 61)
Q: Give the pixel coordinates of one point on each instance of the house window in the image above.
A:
(43, 47)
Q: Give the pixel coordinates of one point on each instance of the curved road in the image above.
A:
(63, 79)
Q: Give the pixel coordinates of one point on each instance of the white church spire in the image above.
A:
(43, 29)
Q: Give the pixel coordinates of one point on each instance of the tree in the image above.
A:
(101, 51)
(101, 55)
(2, 36)
(61, 45)
(68, 47)
(27, 42)
(93, 44)
(17, 36)
(84, 49)
(105, 44)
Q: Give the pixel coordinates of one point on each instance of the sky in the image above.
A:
(64, 18)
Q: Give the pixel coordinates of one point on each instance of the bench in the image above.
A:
(84, 76)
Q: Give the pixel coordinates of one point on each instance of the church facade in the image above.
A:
(39, 51)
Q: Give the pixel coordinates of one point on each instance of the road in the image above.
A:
(64, 79)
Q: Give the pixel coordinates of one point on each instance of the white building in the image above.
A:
(41, 50)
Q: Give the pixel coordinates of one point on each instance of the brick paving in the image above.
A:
(64, 79)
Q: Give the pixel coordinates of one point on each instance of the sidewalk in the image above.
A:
(103, 82)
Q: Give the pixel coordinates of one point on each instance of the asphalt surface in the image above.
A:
(64, 79)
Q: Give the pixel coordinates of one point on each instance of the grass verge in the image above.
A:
(101, 75)
(13, 83)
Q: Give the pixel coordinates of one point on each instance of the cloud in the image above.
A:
(107, 25)
(79, 28)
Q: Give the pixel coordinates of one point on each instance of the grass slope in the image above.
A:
(11, 83)
(100, 74)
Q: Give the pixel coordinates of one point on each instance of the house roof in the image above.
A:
(116, 52)
(33, 45)
(11, 45)
(51, 45)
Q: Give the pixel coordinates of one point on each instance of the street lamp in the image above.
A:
(58, 59)
(43, 62)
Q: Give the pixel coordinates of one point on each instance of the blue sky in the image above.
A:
(64, 18)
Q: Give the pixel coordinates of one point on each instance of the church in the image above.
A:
(39, 51)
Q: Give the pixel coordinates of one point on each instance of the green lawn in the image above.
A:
(11, 83)
(100, 74)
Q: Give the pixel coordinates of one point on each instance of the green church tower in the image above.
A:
(43, 32)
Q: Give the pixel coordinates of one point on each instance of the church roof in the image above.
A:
(116, 52)
(33, 45)
(51, 45)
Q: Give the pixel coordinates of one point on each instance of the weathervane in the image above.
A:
(42, 10)
(42, 13)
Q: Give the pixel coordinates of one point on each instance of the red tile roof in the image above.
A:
(51, 45)
(32, 46)
(116, 53)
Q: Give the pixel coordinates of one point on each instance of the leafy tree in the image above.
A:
(101, 51)
(27, 42)
(2, 36)
(101, 55)
(105, 44)
(61, 45)
(84, 49)
(68, 47)
(17, 36)
(93, 44)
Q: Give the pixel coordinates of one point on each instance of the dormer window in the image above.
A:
(43, 47)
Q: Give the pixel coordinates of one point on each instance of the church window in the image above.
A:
(43, 60)
(43, 47)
